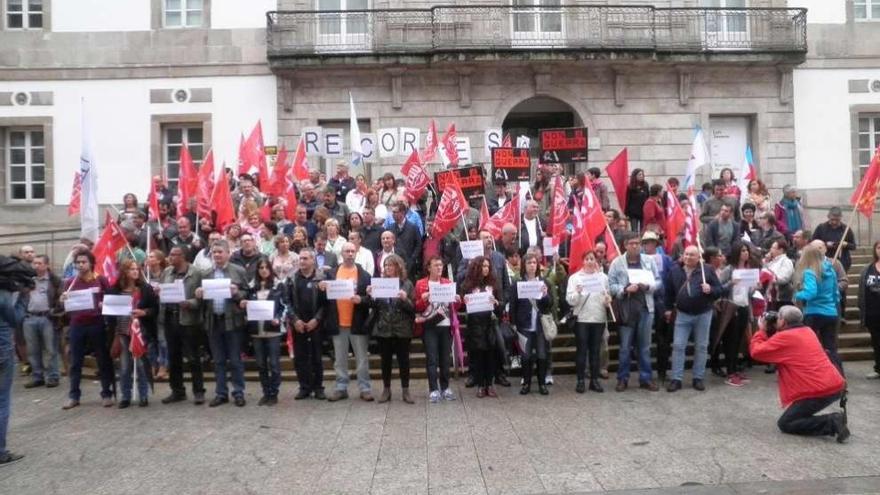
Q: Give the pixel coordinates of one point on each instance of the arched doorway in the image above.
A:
(539, 112)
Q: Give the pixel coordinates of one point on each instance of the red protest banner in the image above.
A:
(563, 145)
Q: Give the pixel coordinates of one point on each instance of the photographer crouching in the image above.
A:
(808, 380)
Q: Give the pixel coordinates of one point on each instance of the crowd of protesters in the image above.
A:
(345, 229)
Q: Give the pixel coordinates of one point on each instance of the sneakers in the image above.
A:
(481, 392)
(548, 380)
(51, 383)
(9, 458)
(70, 404)
(239, 401)
(338, 395)
(124, 403)
(199, 398)
(734, 380)
(743, 378)
(870, 376)
(434, 397)
(490, 392)
(448, 395)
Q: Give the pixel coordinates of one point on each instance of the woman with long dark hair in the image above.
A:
(526, 315)
(435, 334)
(266, 335)
(636, 195)
(816, 282)
(481, 336)
(869, 305)
(389, 194)
(590, 310)
(730, 188)
(395, 317)
(743, 258)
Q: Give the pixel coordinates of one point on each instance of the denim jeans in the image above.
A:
(267, 350)
(685, 325)
(127, 364)
(39, 334)
(800, 417)
(78, 336)
(359, 344)
(643, 348)
(438, 343)
(226, 346)
(11, 314)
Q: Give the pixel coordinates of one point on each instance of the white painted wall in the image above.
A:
(120, 116)
(232, 14)
(822, 11)
(100, 15)
(823, 141)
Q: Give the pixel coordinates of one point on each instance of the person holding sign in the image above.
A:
(393, 319)
(144, 306)
(224, 321)
(433, 323)
(587, 294)
(530, 299)
(266, 333)
(481, 335)
(306, 308)
(633, 278)
(734, 317)
(345, 322)
(87, 328)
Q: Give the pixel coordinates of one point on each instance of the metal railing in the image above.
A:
(452, 28)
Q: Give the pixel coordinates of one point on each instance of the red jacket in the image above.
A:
(654, 215)
(804, 369)
(421, 304)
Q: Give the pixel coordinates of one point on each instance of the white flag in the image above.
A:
(699, 157)
(89, 197)
(357, 152)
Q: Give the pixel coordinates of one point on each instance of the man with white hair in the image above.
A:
(531, 230)
(808, 380)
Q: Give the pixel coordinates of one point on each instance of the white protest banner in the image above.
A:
(116, 305)
(340, 289)
(333, 143)
(368, 146)
(387, 142)
(384, 287)
(409, 140)
(217, 288)
(522, 142)
(471, 249)
(549, 248)
(260, 310)
(172, 293)
(592, 285)
(530, 290)
(491, 139)
(441, 293)
(639, 276)
(478, 302)
(748, 277)
(313, 138)
(463, 146)
(79, 300)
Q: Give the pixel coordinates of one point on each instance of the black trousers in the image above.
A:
(535, 351)
(438, 343)
(800, 418)
(873, 324)
(663, 333)
(588, 340)
(826, 329)
(482, 361)
(388, 347)
(307, 360)
(184, 341)
(732, 339)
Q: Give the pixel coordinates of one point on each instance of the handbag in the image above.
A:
(432, 315)
(627, 310)
(548, 324)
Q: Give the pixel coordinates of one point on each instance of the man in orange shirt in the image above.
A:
(345, 323)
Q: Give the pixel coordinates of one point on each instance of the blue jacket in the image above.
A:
(820, 298)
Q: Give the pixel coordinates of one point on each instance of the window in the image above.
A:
(24, 14)
(25, 165)
(867, 10)
(869, 138)
(184, 13)
(173, 138)
(535, 21)
(343, 31)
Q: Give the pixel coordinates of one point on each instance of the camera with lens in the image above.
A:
(771, 321)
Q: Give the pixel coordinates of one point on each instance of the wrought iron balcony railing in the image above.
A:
(445, 29)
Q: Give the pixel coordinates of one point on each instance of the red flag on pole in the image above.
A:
(75, 195)
(675, 220)
(109, 243)
(581, 241)
(290, 201)
(415, 177)
(451, 208)
(187, 181)
(430, 143)
(618, 172)
(205, 187)
(221, 202)
(153, 213)
(450, 155)
(509, 213)
(277, 182)
(691, 221)
(137, 347)
(611, 251)
(300, 163)
(252, 155)
(484, 215)
(865, 195)
(558, 212)
(593, 216)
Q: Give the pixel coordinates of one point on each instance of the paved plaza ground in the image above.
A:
(721, 441)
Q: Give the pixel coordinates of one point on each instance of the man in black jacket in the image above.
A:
(831, 233)
(409, 240)
(692, 289)
(305, 312)
(248, 256)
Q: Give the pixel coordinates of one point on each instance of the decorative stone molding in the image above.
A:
(26, 98)
(464, 86)
(396, 74)
(181, 95)
(619, 87)
(786, 86)
(543, 79)
(685, 77)
(287, 98)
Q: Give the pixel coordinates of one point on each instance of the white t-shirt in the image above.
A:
(532, 230)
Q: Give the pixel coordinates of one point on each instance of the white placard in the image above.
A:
(386, 141)
(639, 276)
(549, 248)
(441, 293)
(172, 293)
(340, 289)
(491, 139)
(409, 140)
(530, 290)
(593, 285)
(332, 143)
(748, 277)
(471, 249)
(79, 300)
(216, 288)
(463, 146)
(522, 142)
(368, 146)
(313, 138)
(116, 305)
(479, 302)
(384, 287)
(260, 310)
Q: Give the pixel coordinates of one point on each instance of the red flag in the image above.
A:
(290, 342)
(137, 347)
(509, 213)
(611, 251)
(675, 220)
(618, 172)
(593, 216)
(153, 198)
(75, 195)
(205, 186)
(506, 143)
(277, 182)
(450, 157)
(581, 241)
(187, 181)
(266, 211)
(252, 155)
(484, 215)
(300, 164)
(242, 166)
(451, 208)
(290, 201)
(109, 243)
(865, 195)
(691, 221)
(558, 212)
(430, 143)
(416, 178)
(221, 203)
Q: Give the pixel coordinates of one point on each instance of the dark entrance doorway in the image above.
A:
(539, 112)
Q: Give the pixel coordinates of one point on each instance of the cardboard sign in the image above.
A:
(385, 287)
(511, 164)
(340, 289)
(217, 288)
(441, 293)
(563, 145)
(260, 310)
(471, 249)
(530, 290)
(116, 305)
(470, 178)
(79, 300)
(172, 293)
(478, 302)
(491, 139)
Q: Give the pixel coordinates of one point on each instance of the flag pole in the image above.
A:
(702, 265)
(852, 217)
(147, 269)
(464, 224)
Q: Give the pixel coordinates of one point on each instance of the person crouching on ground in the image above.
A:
(808, 380)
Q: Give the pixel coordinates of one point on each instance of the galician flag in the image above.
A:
(699, 157)
(357, 152)
(746, 173)
(88, 212)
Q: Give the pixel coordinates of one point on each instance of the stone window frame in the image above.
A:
(157, 16)
(855, 112)
(851, 11)
(47, 125)
(47, 17)
(158, 122)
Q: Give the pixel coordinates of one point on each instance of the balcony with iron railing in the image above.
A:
(298, 38)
